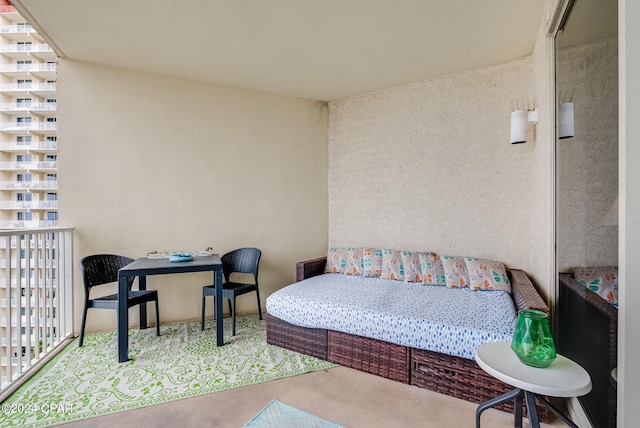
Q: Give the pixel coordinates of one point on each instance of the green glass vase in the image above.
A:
(532, 341)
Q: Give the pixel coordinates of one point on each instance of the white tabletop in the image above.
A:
(563, 378)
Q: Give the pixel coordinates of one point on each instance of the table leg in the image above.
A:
(123, 320)
(517, 412)
(508, 396)
(217, 278)
(142, 285)
(532, 413)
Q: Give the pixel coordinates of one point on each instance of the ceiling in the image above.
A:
(588, 21)
(315, 49)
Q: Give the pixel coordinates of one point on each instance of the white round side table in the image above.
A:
(563, 378)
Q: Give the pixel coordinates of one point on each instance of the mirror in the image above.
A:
(587, 76)
(587, 197)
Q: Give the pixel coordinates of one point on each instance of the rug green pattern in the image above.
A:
(183, 362)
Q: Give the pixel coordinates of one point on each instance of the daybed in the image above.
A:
(455, 375)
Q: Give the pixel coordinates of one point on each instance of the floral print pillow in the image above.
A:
(432, 270)
(371, 262)
(487, 274)
(411, 265)
(353, 261)
(602, 280)
(336, 262)
(392, 267)
(455, 272)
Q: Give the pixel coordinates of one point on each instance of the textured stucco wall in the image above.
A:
(157, 163)
(588, 181)
(429, 167)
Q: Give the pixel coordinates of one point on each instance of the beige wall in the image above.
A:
(155, 163)
(429, 167)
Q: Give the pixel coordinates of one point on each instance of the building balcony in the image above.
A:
(42, 90)
(29, 185)
(43, 128)
(32, 146)
(41, 51)
(8, 29)
(36, 108)
(29, 205)
(43, 71)
(48, 166)
(19, 33)
(24, 224)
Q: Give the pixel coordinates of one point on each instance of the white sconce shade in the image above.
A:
(520, 124)
(565, 128)
(519, 127)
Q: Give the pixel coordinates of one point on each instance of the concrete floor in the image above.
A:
(348, 397)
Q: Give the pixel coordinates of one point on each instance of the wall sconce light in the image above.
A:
(520, 124)
(565, 119)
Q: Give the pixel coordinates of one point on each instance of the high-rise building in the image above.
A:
(28, 131)
(28, 194)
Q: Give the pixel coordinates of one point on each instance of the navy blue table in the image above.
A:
(144, 267)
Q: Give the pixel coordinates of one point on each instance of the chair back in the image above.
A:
(242, 260)
(101, 269)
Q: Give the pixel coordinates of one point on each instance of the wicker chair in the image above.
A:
(242, 260)
(103, 269)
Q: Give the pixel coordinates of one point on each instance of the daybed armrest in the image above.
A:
(525, 296)
(309, 268)
(607, 309)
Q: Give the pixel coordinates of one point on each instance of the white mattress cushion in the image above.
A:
(440, 319)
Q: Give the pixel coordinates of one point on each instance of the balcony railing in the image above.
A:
(32, 47)
(28, 86)
(28, 126)
(16, 29)
(29, 205)
(24, 166)
(44, 146)
(30, 185)
(28, 224)
(26, 107)
(39, 317)
(31, 68)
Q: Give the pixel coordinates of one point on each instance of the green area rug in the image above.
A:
(183, 362)
(281, 415)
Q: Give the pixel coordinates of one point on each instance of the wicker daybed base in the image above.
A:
(447, 374)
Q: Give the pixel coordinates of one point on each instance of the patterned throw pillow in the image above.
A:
(432, 270)
(487, 274)
(353, 261)
(411, 266)
(602, 280)
(336, 262)
(455, 272)
(371, 262)
(392, 265)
